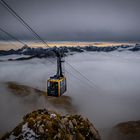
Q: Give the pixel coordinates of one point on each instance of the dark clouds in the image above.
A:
(88, 20)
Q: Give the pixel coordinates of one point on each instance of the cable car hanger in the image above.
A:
(56, 85)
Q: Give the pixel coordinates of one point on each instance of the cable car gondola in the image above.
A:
(56, 85)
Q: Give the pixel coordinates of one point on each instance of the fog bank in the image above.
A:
(113, 97)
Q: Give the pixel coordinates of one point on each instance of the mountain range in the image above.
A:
(48, 52)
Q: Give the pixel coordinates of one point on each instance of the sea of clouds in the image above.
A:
(105, 87)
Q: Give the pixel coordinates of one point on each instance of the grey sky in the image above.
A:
(82, 20)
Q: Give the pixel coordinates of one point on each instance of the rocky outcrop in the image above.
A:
(126, 131)
(48, 125)
(63, 103)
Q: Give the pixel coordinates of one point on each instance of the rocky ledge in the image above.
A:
(49, 125)
(126, 131)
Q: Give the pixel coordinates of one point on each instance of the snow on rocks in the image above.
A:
(43, 124)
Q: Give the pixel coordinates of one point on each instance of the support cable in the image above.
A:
(22, 21)
(39, 38)
(13, 37)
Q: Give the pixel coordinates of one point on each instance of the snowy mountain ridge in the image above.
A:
(46, 52)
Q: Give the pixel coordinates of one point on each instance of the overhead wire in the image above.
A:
(91, 83)
(39, 38)
(22, 21)
(13, 37)
(3, 38)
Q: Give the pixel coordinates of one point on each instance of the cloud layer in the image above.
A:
(110, 96)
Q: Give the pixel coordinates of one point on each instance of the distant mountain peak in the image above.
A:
(24, 47)
(47, 52)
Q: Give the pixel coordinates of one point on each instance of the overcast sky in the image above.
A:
(74, 20)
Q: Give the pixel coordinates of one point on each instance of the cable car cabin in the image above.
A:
(56, 86)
